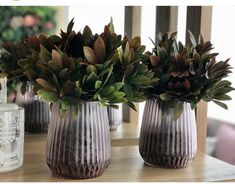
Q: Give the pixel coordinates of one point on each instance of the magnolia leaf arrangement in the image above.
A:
(76, 67)
(187, 73)
(9, 56)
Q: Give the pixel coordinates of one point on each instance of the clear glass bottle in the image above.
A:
(164, 142)
(3, 90)
(11, 132)
(79, 147)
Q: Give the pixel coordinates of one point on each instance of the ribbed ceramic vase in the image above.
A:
(37, 112)
(164, 142)
(115, 117)
(79, 147)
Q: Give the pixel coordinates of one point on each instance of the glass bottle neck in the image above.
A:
(3, 90)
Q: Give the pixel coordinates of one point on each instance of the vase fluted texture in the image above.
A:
(79, 147)
(164, 142)
(37, 112)
(115, 117)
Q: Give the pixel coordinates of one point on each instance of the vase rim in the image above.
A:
(156, 99)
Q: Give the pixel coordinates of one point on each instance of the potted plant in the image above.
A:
(19, 90)
(77, 74)
(187, 75)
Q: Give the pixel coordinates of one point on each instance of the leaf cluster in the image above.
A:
(187, 72)
(77, 67)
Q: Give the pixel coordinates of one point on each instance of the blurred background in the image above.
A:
(16, 23)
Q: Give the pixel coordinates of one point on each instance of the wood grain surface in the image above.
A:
(126, 165)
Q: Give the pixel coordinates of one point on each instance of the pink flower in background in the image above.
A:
(49, 25)
(30, 20)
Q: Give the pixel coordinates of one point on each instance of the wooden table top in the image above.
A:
(126, 165)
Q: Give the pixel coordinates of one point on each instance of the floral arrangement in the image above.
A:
(77, 67)
(187, 73)
(22, 21)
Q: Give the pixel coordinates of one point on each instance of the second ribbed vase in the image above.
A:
(164, 142)
(79, 147)
(37, 112)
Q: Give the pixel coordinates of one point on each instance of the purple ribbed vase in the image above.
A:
(164, 142)
(37, 112)
(80, 147)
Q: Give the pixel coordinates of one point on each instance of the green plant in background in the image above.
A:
(76, 67)
(187, 73)
(9, 56)
(19, 22)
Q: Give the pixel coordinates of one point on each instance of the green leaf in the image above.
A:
(140, 50)
(118, 85)
(131, 105)
(142, 68)
(128, 90)
(92, 78)
(108, 90)
(87, 34)
(23, 62)
(118, 94)
(139, 80)
(192, 39)
(165, 97)
(54, 39)
(47, 96)
(110, 70)
(63, 73)
(98, 83)
(44, 55)
(64, 104)
(135, 43)
(110, 25)
(31, 74)
(127, 53)
(121, 54)
(223, 97)
(54, 66)
(70, 26)
(113, 106)
(90, 69)
(221, 104)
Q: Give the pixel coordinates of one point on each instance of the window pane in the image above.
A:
(97, 16)
(181, 30)
(223, 41)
